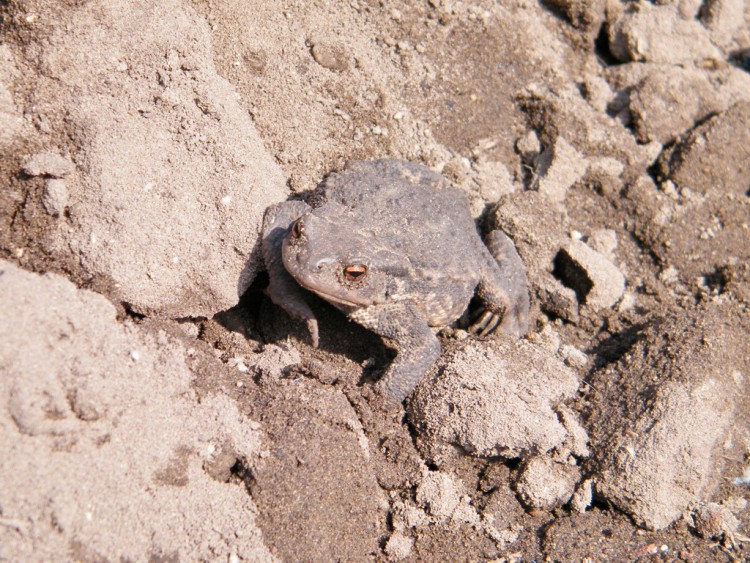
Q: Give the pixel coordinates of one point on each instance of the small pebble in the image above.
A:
(332, 57)
(48, 163)
(573, 357)
(529, 145)
(745, 479)
(55, 198)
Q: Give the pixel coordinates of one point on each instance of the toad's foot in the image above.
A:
(503, 290)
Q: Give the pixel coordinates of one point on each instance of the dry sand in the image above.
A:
(154, 405)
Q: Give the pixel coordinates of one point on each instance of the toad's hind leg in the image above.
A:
(406, 327)
(503, 289)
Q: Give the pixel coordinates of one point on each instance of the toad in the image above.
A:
(393, 246)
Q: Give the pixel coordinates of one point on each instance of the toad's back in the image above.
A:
(414, 211)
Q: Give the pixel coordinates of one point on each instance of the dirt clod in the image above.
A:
(496, 401)
(156, 406)
(546, 484)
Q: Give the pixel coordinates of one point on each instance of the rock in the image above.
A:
(274, 360)
(492, 399)
(55, 198)
(665, 413)
(658, 34)
(583, 14)
(563, 112)
(712, 520)
(559, 168)
(528, 146)
(744, 479)
(457, 169)
(494, 180)
(331, 56)
(439, 495)
(605, 166)
(101, 415)
(723, 18)
(399, 546)
(172, 177)
(598, 283)
(715, 155)
(660, 110)
(442, 497)
(597, 92)
(583, 496)
(577, 442)
(604, 241)
(406, 515)
(10, 118)
(48, 163)
(573, 357)
(548, 339)
(545, 483)
(716, 91)
(556, 299)
(538, 231)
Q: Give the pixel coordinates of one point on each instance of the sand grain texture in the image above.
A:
(149, 412)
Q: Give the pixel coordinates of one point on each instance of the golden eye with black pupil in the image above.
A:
(355, 273)
(296, 230)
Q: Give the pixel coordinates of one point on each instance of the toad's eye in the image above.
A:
(355, 272)
(296, 231)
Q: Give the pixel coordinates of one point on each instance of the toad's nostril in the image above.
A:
(322, 263)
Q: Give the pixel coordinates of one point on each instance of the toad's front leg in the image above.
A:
(406, 328)
(283, 290)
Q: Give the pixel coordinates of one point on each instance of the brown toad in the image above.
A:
(394, 247)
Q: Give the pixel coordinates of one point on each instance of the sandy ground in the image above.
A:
(154, 405)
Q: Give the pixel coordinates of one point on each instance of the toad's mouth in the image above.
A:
(334, 298)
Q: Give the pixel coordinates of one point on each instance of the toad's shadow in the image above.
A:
(257, 318)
